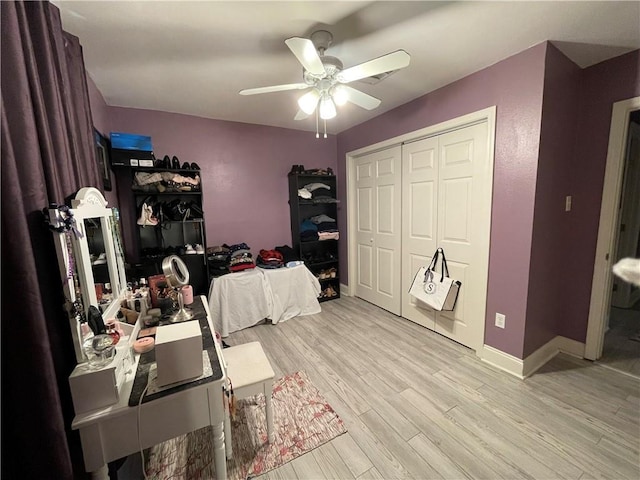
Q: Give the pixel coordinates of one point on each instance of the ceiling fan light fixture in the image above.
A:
(309, 101)
(340, 95)
(327, 108)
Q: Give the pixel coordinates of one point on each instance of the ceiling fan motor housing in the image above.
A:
(332, 67)
(321, 40)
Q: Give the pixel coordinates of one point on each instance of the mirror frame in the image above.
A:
(88, 203)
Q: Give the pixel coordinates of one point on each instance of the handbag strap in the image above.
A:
(444, 271)
(445, 268)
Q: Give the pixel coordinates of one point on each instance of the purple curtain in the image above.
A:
(48, 153)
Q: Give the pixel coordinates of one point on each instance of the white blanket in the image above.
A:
(242, 299)
(294, 292)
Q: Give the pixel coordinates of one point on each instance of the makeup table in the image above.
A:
(119, 430)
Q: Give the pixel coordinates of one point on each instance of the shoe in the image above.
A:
(175, 163)
(186, 166)
(195, 166)
(167, 162)
(147, 218)
(199, 249)
(159, 163)
(101, 260)
(189, 250)
(331, 272)
(301, 169)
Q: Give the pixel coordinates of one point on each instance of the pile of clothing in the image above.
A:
(315, 193)
(165, 182)
(319, 227)
(218, 260)
(270, 259)
(240, 257)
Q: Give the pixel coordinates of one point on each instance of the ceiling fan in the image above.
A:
(326, 79)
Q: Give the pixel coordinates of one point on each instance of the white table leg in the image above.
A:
(227, 431)
(269, 411)
(218, 451)
(101, 474)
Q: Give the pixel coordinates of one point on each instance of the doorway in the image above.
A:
(621, 346)
(611, 317)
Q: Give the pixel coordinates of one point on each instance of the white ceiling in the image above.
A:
(193, 57)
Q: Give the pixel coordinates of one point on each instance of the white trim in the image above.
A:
(528, 366)
(487, 114)
(501, 360)
(345, 290)
(601, 284)
(437, 129)
(571, 347)
(549, 350)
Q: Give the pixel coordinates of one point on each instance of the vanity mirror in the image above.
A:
(90, 258)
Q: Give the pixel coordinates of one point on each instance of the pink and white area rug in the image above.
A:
(303, 420)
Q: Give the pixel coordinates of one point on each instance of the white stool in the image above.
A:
(250, 373)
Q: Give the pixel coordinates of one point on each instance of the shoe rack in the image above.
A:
(165, 218)
(320, 256)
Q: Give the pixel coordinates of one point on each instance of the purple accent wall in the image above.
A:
(602, 85)
(100, 117)
(547, 305)
(99, 108)
(515, 86)
(244, 169)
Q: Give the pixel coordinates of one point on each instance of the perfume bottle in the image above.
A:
(112, 330)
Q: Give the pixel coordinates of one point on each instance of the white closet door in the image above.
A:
(419, 221)
(464, 217)
(378, 235)
(446, 187)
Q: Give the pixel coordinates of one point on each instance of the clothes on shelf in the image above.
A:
(319, 227)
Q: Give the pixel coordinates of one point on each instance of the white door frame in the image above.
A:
(487, 114)
(611, 190)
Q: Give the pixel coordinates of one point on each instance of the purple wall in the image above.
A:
(515, 86)
(100, 116)
(244, 169)
(603, 85)
(547, 304)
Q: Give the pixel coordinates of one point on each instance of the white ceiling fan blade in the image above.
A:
(386, 63)
(361, 99)
(301, 115)
(305, 52)
(274, 88)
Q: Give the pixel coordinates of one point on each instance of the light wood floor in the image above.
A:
(417, 405)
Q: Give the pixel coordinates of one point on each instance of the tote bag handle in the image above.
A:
(434, 263)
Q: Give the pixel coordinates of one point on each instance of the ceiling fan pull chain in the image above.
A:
(317, 133)
(325, 128)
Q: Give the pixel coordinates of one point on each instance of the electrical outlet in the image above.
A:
(500, 319)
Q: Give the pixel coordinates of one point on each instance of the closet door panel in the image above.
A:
(419, 220)
(464, 203)
(378, 235)
(365, 196)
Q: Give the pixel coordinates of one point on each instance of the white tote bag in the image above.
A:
(437, 290)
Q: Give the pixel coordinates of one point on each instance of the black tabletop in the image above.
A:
(147, 360)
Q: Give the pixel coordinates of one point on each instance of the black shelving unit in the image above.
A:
(154, 243)
(320, 256)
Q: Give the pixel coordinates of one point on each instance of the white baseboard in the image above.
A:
(502, 360)
(549, 350)
(524, 368)
(344, 290)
